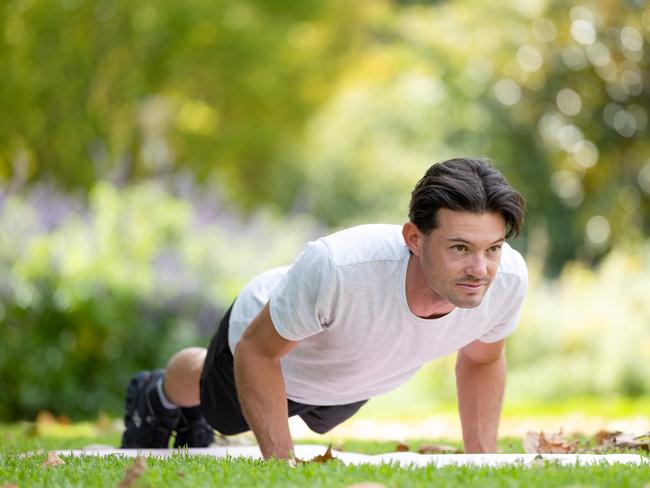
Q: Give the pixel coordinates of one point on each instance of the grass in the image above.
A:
(183, 470)
(423, 402)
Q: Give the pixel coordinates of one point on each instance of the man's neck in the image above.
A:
(421, 299)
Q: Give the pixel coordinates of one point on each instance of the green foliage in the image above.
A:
(336, 108)
(93, 291)
(563, 114)
(110, 88)
(90, 296)
(586, 334)
(328, 108)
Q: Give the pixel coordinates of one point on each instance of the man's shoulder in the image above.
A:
(365, 243)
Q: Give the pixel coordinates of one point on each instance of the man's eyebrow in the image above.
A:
(465, 241)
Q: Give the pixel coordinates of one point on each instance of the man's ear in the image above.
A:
(412, 237)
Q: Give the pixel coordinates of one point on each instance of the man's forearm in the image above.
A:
(263, 398)
(480, 389)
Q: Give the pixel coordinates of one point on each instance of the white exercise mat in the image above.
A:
(404, 459)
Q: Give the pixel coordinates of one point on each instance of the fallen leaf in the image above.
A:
(321, 458)
(603, 436)
(619, 440)
(10, 485)
(53, 459)
(133, 473)
(438, 449)
(103, 422)
(549, 443)
(632, 441)
(43, 417)
(531, 442)
(401, 447)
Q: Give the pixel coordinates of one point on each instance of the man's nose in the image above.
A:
(477, 266)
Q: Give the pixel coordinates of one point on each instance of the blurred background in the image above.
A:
(154, 156)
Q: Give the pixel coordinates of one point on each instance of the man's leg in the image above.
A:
(182, 387)
(158, 402)
(182, 376)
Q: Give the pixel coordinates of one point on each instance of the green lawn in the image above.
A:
(182, 470)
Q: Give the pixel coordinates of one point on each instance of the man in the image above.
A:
(356, 315)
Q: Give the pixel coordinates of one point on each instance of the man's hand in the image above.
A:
(480, 382)
(260, 385)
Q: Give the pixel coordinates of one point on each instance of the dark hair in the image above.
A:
(465, 184)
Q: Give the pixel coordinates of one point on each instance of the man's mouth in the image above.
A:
(472, 286)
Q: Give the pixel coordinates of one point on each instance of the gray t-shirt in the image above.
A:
(344, 299)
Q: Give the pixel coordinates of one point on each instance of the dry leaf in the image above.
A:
(53, 459)
(401, 447)
(10, 485)
(549, 443)
(104, 422)
(531, 442)
(43, 417)
(619, 440)
(556, 444)
(321, 458)
(603, 437)
(133, 473)
(438, 449)
(631, 441)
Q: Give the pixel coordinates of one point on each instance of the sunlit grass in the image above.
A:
(183, 470)
(415, 401)
(204, 471)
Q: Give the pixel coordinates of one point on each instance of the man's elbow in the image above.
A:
(464, 358)
(246, 350)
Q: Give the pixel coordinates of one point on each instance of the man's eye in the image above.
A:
(495, 249)
(460, 248)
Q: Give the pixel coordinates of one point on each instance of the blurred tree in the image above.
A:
(556, 94)
(113, 89)
(337, 108)
(578, 93)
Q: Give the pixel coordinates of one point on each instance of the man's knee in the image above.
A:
(182, 376)
(187, 361)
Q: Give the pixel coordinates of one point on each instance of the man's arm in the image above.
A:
(480, 382)
(260, 385)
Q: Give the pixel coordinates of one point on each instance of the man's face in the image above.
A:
(460, 258)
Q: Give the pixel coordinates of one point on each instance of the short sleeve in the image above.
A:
(301, 305)
(509, 320)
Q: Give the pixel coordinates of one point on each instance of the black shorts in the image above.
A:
(220, 404)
